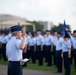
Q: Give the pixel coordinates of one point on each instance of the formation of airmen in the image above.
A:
(53, 46)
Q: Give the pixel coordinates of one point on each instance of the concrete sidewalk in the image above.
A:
(3, 71)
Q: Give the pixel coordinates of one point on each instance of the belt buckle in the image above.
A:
(20, 62)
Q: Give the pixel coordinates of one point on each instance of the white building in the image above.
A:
(47, 25)
(6, 21)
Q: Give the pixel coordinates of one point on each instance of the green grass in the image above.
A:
(41, 68)
(3, 62)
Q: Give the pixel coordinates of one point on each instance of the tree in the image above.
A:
(38, 26)
(59, 27)
(29, 28)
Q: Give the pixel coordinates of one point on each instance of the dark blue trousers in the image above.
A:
(24, 56)
(59, 61)
(48, 56)
(4, 52)
(54, 54)
(14, 68)
(66, 63)
(74, 53)
(44, 47)
(40, 55)
(72, 56)
(0, 53)
(33, 54)
(28, 54)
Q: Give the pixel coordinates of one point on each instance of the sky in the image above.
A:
(55, 11)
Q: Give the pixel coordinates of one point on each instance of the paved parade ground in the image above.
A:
(3, 71)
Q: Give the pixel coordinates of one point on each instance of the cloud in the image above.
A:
(46, 10)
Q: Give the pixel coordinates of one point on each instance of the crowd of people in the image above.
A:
(54, 46)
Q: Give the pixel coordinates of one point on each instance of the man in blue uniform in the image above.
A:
(66, 53)
(32, 44)
(49, 48)
(74, 47)
(54, 47)
(28, 47)
(58, 52)
(4, 41)
(14, 50)
(39, 48)
(44, 45)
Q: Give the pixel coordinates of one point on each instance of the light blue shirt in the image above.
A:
(55, 40)
(28, 39)
(5, 39)
(66, 45)
(13, 51)
(59, 43)
(49, 40)
(9, 36)
(32, 41)
(74, 42)
(39, 40)
(44, 41)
